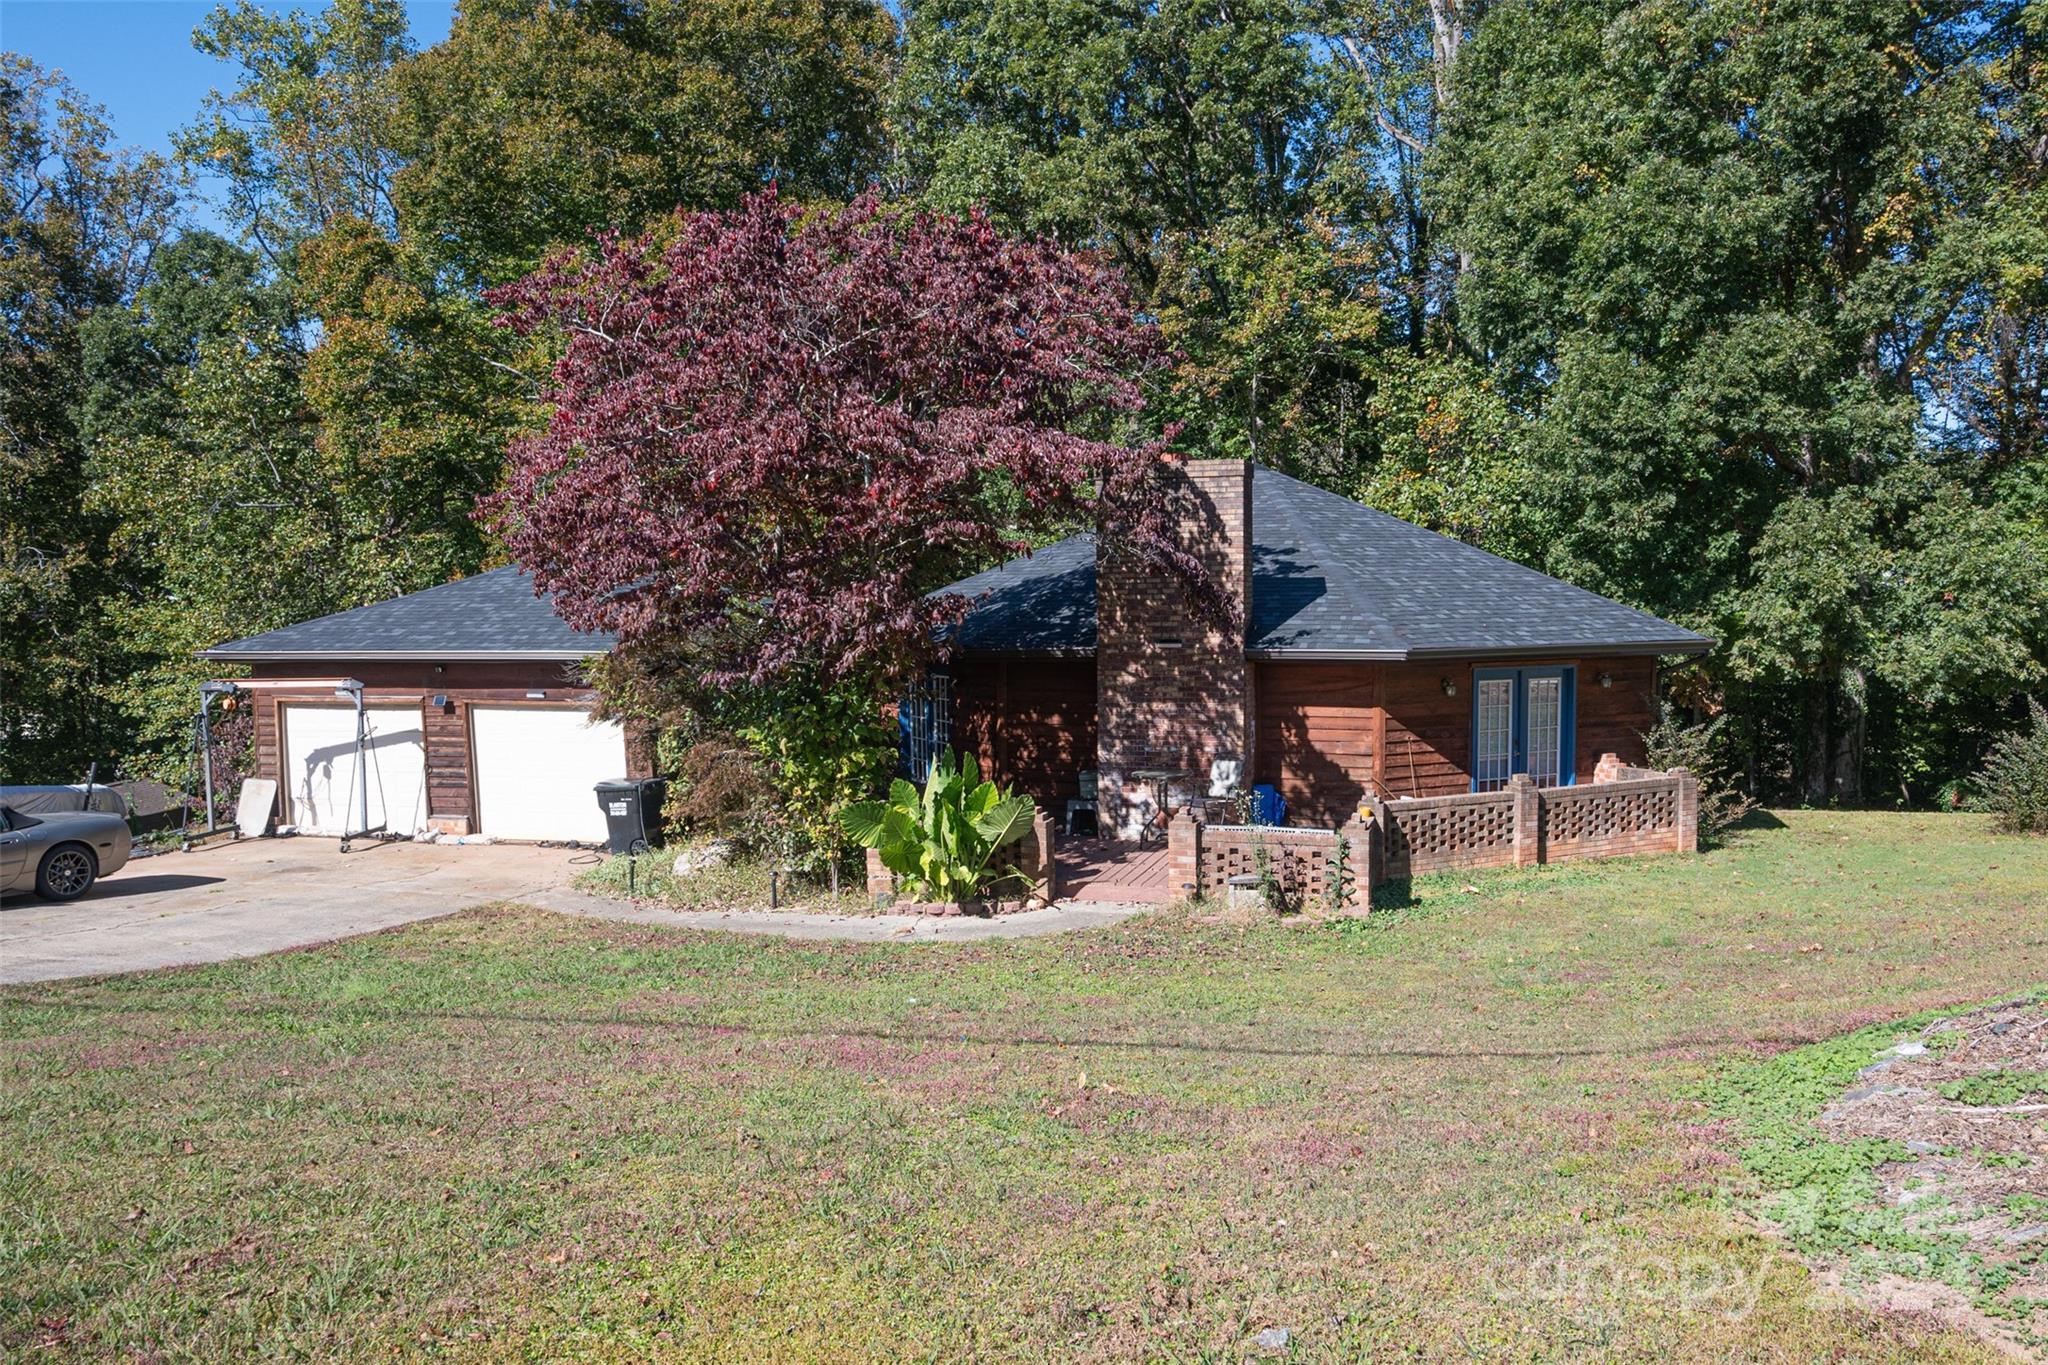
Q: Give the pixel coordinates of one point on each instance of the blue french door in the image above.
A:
(1523, 721)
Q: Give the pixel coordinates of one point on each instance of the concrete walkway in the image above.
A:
(265, 895)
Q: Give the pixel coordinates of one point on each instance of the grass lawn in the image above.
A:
(1463, 1128)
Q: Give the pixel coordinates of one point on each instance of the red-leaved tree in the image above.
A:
(768, 420)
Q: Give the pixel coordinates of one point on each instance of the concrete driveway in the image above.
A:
(241, 899)
(263, 895)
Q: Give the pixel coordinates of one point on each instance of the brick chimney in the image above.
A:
(1172, 690)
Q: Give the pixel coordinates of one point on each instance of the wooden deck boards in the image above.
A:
(1113, 870)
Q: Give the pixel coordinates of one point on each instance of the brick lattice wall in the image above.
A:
(1203, 859)
(1612, 819)
(1623, 812)
(1476, 829)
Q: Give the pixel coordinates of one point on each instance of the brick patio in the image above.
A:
(1113, 870)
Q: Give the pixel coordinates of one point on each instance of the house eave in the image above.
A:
(1067, 652)
(1329, 656)
(1595, 650)
(295, 656)
(1282, 654)
(1603, 650)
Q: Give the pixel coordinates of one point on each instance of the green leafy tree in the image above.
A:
(78, 221)
(305, 136)
(1224, 156)
(1453, 454)
(1713, 251)
(539, 122)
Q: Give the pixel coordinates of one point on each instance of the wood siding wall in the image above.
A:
(451, 795)
(1317, 733)
(1613, 719)
(1327, 731)
(1030, 723)
(1429, 735)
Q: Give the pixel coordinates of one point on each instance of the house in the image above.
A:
(1377, 659)
(478, 719)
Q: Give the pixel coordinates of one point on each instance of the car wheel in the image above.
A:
(67, 872)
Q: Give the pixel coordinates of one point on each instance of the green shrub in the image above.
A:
(824, 748)
(941, 841)
(2013, 783)
(721, 788)
(1673, 743)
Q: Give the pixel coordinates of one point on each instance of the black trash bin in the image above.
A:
(632, 813)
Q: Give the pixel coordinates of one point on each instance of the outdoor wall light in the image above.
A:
(1450, 688)
(1607, 680)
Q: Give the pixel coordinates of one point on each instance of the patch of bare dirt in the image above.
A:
(1967, 1101)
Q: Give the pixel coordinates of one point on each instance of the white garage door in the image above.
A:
(320, 778)
(537, 768)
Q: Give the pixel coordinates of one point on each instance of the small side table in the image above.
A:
(1160, 781)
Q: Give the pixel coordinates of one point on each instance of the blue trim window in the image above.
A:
(1524, 720)
(924, 723)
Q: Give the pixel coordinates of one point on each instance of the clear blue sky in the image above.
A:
(136, 56)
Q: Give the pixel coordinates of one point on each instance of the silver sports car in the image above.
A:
(59, 854)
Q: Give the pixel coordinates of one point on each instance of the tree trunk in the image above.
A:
(1813, 766)
(1851, 716)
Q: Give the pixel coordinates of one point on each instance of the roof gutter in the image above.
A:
(1332, 656)
(1605, 650)
(293, 656)
(1692, 644)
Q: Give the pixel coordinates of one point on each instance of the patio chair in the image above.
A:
(1085, 801)
(1225, 776)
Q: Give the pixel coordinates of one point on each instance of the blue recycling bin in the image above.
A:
(1268, 806)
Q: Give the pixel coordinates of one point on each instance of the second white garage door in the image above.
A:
(537, 768)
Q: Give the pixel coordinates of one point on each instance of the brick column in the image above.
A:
(1376, 822)
(1038, 863)
(1358, 837)
(1688, 810)
(1173, 690)
(881, 881)
(1608, 769)
(1184, 854)
(1528, 820)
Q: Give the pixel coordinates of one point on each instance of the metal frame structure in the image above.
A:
(350, 688)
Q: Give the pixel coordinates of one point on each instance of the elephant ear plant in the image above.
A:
(940, 841)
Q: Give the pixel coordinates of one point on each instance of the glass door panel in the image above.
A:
(1492, 740)
(1523, 722)
(1545, 726)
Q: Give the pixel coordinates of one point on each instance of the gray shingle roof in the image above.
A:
(1040, 603)
(491, 615)
(1333, 578)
